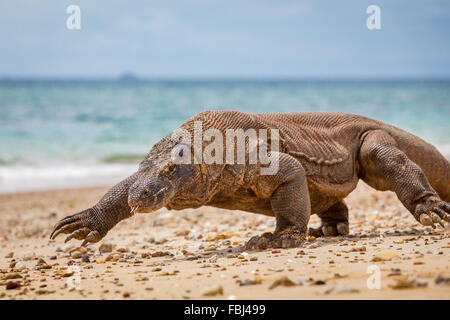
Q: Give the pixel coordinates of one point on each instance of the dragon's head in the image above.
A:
(161, 179)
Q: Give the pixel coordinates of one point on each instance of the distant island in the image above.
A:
(128, 77)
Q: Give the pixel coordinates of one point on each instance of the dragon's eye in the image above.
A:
(170, 167)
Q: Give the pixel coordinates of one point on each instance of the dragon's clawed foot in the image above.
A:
(330, 230)
(433, 211)
(84, 225)
(281, 239)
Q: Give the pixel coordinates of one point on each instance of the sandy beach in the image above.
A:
(196, 254)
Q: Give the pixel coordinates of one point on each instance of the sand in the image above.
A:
(196, 254)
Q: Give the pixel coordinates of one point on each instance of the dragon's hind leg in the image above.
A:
(385, 167)
(334, 221)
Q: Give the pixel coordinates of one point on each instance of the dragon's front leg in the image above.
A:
(92, 224)
(290, 204)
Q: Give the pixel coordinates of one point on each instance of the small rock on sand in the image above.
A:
(76, 254)
(404, 283)
(19, 266)
(105, 248)
(282, 281)
(340, 289)
(12, 285)
(213, 291)
(213, 259)
(442, 280)
(385, 256)
(67, 247)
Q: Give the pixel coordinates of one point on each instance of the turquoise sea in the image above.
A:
(67, 133)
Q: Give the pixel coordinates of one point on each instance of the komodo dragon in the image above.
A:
(321, 158)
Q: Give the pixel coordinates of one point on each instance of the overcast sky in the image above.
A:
(225, 38)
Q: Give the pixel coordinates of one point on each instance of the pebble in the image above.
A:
(112, 257)
(213, 259)
(28, 256)
(105, 248)
(12, 285)
(160, 254)
(248, 282)
(12, 275)
(213, 291)
(186, 296)
(442, 280)
(282, 281)
(85, 258)
(41, 262)
(356, 249)
(44, 291)
(404, 283)
(76, 254)
(385, 256)
(43, 267)
(276, 269)
(19, 266)
(67, 247)
(300, 281)
(340, 289)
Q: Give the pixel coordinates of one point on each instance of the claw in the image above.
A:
(78, 234)
(329, 231)
(289, 243)
(437, 219)
(58, 225)
(315, 232)
(93, 236)
(68, 228)
(342, 228)
(259, 242)
(442, 214)
(426, 220)
(447, 217)
(445, 206)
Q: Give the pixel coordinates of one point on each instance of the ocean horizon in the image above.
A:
(65, 133)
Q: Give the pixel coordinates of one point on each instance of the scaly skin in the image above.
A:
(321, 158)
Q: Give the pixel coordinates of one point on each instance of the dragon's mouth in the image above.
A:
(144, 209)
(138, 209)
(147, 203)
